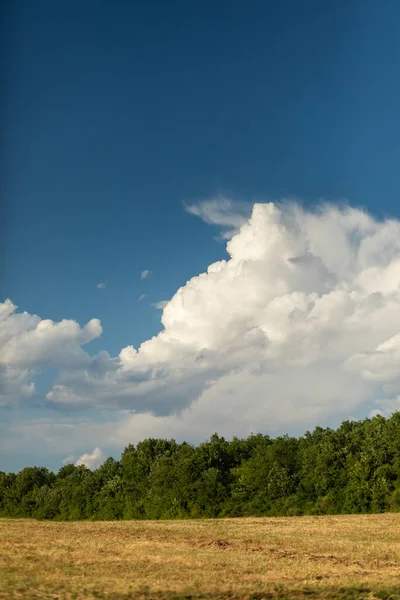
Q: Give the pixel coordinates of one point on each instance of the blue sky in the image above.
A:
(117, 115)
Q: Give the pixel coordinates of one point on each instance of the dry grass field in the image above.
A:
(297, 557)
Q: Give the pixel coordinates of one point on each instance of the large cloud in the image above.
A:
(300, 325)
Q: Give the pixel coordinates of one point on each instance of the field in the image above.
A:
(297, 557)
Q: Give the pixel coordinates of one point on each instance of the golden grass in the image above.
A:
(317, 557)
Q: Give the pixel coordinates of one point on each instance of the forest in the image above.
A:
(352, 469)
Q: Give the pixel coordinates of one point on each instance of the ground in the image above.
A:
(333, 557)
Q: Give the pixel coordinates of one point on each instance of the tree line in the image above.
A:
(353, 469)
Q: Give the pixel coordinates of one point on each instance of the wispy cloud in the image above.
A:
(223, 212)
(160, 305)
(142, 297)
(101, 286)
(144, 274)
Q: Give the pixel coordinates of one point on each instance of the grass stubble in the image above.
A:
(333, 557)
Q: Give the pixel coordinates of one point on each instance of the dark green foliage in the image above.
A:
(354, 469)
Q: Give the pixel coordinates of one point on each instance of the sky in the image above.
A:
(200, 223)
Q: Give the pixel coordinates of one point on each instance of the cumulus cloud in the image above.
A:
(91, 461)
(382, 364)
(144, 274)
(16, 385)
(227, 214)
(101, 286)
(300, 325)
(279, 328)
(69, 460)
(29, 341)
(29, 344)
(376, 413)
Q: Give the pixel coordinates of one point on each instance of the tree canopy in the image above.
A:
(353, 469)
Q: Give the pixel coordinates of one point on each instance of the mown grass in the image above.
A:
(336, 557)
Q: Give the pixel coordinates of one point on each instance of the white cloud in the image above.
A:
(29, 344)
(101, 286)
(376, 413)
(91, 461)
(16, 385)
(301, 325)
(142, 297)
(27, 340)
(144, 274)
(68, 460)
(161, 305)
(227, 214)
